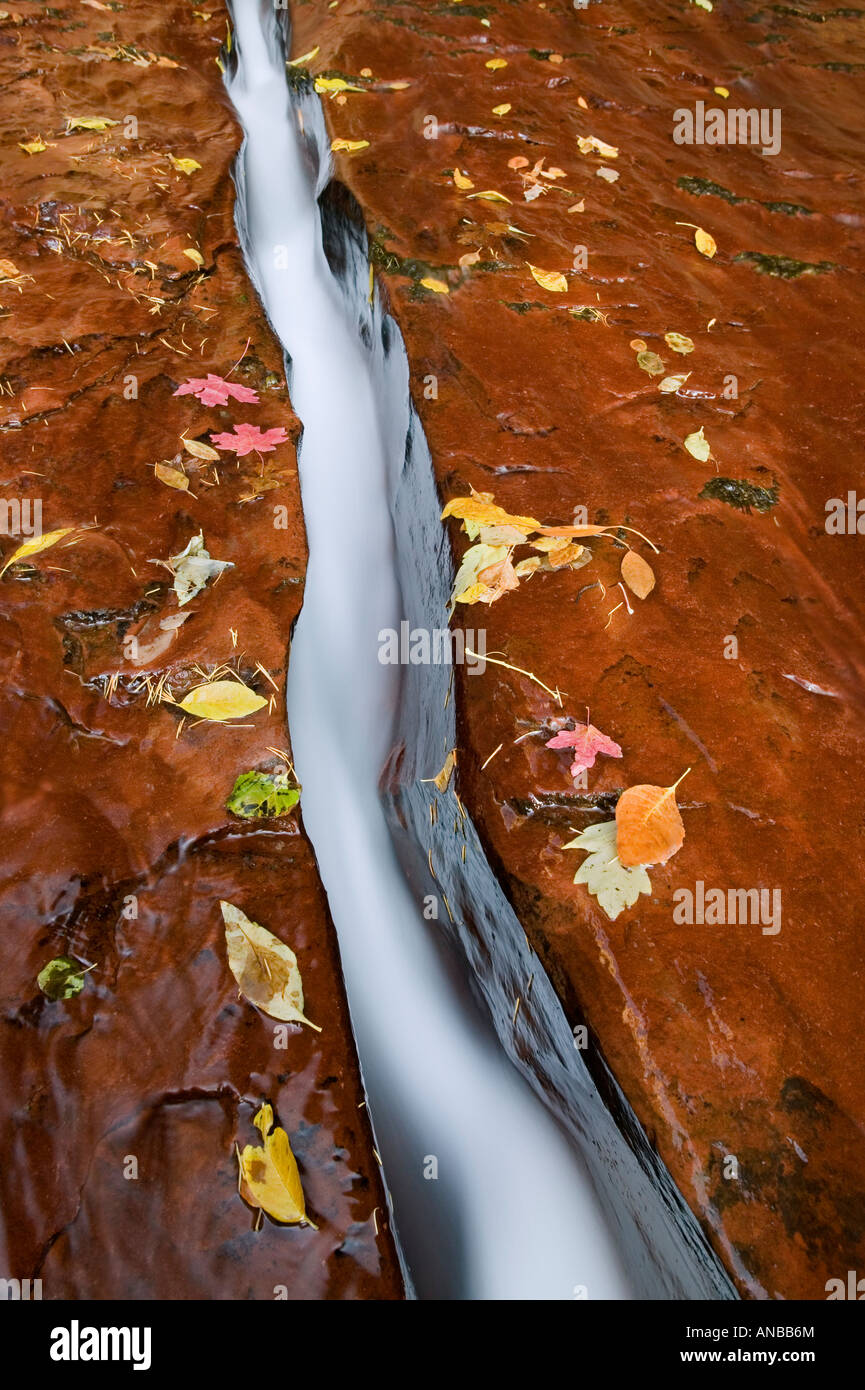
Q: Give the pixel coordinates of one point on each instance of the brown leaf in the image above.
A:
(638, 574)
(649, 829)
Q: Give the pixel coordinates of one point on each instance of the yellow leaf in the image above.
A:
(461, 181)
(470, 258)
(481, 511)
(638, 574)
(673, 383)
(270, 1179)
(200, 451)
(89, 123)
(721, 91)
(9, 270)
(221, 700)
(184, 166)
(195, 256)
(443, 778)
(172, 477)
(503, 109)
(705, 244)
(35, 545)
(334, 84)
(438, 286)
(679, 343)
(550, 280)
(349, 146)
(303, 59)
(33, 146)
(495, 63)
(491, 196)
(590, 144)
(698, 446)
(264, 967)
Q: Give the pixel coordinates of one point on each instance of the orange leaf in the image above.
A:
(637, 574)
(649, 829)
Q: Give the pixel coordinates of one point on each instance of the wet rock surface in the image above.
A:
(124, 1104)
(745, 663)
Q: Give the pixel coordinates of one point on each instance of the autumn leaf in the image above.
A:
(335, 84)
(498, 579)
(171, 477)
(705, 244)
(550, 280)
(437, 286)
(461, 181)
(61, 978)
(194, 255)
(33, 146)
(650, 362)
(35, 546)
(590, 144)
(615, 886)
(503, 109)
(264, 967)
(649, 829)
(467, 585)
(89, 123)
(262, 795)
(193, 568)
(698, 446)
(247, 438)
(269, 1176)
(184, 166)
(200, 451)
(491, 195)
(494, 64)
(679, 343)
(218, 701)
(480, 510)
(673, 383)
(586, 742)
(638, 574)
(215, 390)
(348, 146)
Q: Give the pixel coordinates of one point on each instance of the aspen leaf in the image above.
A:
(491, 195)
(480, 510)
(679, 343)
(264, 967)
(61, 978)
(650, 362)
(698, 445)
(649, 829)
(348, 146)
(437, 286)
(610, 175)
(721, 91)
(304, 58)
(184, 166)
(35, 546)
(526, 567)
(221, 700)
(705, 244)
(468, 587)
(200, 451)
(262, 795)
(673, 383)
(494, 64)
(590, 144)
(171, 477)
(194, 255)
(33, 146)
(269, 1176)
(89, 123)
(638, 574)
(461, 181)
(615, 886)
(550, 280)
(503, 109)
(335, 84)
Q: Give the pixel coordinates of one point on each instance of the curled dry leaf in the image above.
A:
(590, 144)
(221, 700)
(442, 779)
(649, 828)
(468, 587)
(193, 568)
(638, 574)
(89, 123)
(35, 545)
(264, 967)
(615, 886)
(551, 280)
(194, 255)
(269, 1176)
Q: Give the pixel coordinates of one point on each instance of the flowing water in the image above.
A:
(512, 1212)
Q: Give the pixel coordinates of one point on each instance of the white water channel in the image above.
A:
(512, 1213)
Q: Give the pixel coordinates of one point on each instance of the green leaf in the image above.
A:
(650, 362)
(257, 795)
(61, 978)
(614, 886)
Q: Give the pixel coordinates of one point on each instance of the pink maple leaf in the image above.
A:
(587, 742)
(215, 390)
(247, 438)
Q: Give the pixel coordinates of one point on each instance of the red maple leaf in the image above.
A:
(587, 742)
(215, 390)
(247, 438)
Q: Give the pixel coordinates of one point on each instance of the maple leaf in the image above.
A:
(587, 742)
(247, 438)
(214, 390)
